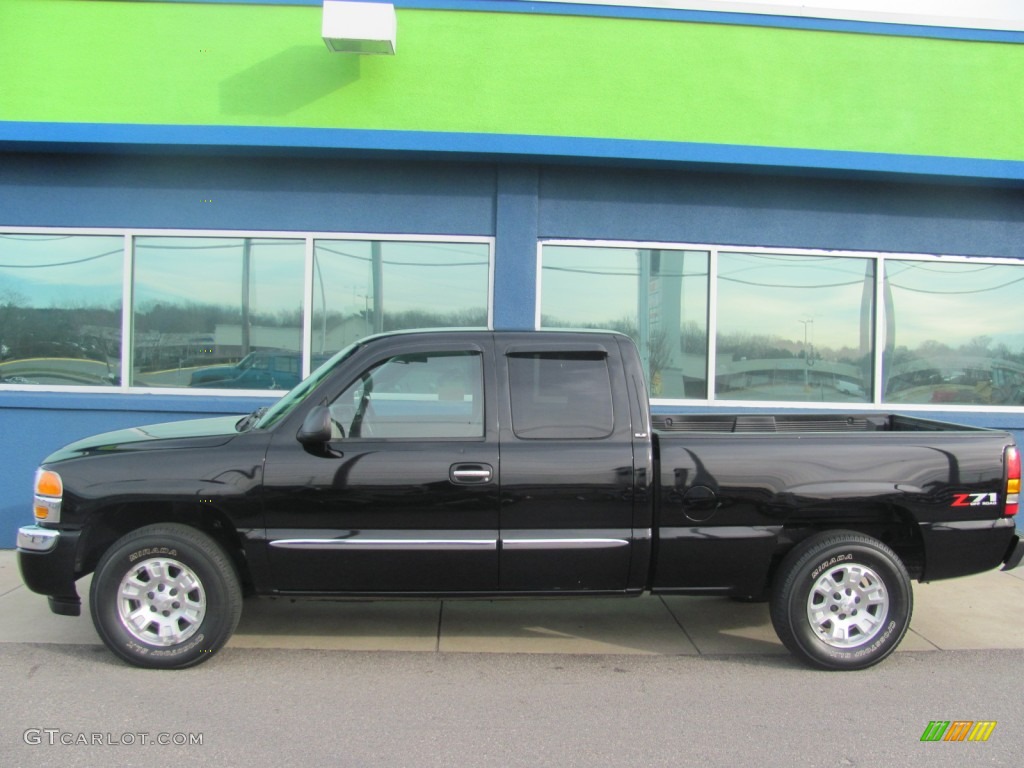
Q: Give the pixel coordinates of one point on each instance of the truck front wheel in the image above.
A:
(842, 600)
(165, 596)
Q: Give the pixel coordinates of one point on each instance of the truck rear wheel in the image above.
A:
(165, 596)
(842, 601)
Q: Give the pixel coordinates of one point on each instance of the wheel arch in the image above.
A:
(111, 523)
(894, 526)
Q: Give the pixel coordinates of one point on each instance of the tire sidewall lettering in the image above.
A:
(170, 652)
(829, 563)
(151, 551)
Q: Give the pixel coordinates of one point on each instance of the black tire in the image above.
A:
(165, 596)
(842, 601)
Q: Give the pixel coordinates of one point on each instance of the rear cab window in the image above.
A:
(560, 395)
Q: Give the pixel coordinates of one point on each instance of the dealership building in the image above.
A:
(789, 205)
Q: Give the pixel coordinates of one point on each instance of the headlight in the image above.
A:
(49, 490)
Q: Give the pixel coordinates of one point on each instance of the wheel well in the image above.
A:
(893, 527)
(114, 522)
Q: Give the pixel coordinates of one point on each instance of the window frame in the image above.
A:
(128, 235)
(877, 401)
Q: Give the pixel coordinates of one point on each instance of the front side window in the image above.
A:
(794, 328)
(60, 309)
(423, 395)
(217, 312)
(560, 395)
(954, 333)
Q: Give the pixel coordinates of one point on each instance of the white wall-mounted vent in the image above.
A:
(358, 27)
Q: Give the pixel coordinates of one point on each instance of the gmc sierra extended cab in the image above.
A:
(476, 463)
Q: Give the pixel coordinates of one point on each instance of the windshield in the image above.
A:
(289, 402)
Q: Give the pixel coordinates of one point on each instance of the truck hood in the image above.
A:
(193, 433)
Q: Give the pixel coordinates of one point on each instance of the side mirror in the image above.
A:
(315, 431)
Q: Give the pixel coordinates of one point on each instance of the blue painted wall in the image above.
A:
(515, 203)
(252, 193)
(782, 211)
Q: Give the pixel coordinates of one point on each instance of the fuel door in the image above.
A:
(699, 503)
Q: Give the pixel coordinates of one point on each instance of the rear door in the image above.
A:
(566, 465)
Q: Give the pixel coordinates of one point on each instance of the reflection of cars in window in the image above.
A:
(35, 361)
(265, 369)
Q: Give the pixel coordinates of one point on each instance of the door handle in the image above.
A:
(471, 474)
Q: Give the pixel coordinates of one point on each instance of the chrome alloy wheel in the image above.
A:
(848, 605)
(161, 601)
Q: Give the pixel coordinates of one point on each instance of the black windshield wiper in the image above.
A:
(252, 418)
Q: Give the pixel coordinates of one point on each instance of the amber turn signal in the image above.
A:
(48, 483)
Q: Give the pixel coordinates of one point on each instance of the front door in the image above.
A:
(405, 499)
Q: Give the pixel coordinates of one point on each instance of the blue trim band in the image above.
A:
(79, 136)
(675, 14)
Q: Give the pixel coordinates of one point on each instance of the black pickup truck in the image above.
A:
(474, 463)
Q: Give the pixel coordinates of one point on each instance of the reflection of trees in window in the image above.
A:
(937, 354)
(60, 309)
(657, 296)
(168, 335)
(365, 287)
(794, 327)
(210, 301)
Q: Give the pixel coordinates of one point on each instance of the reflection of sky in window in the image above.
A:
(589, 286)
(598, 286)
(209, 271)
(44, 271)
(430, 277)
(954, 303)
(772, 295)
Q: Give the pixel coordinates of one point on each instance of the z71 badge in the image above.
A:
(975, 499)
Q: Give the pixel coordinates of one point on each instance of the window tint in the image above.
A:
(429, 395)
(560, 395)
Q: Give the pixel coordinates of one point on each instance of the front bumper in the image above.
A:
(47, 561)
(1015, 554)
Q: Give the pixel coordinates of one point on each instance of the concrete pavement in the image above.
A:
(977, 612)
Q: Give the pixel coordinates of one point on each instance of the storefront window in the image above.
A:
(658, 296)
(60, 309)
(217, 312)
(363, 287)
(794, 328)
(954, 333)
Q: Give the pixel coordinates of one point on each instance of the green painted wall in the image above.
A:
(208, 64)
